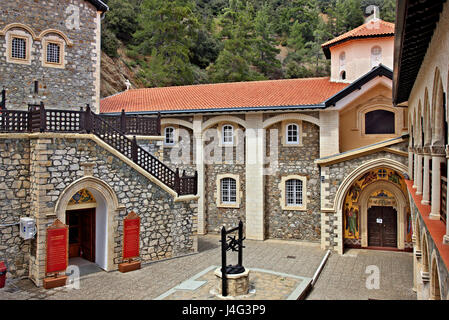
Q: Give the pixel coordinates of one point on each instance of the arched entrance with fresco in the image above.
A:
(376, 212)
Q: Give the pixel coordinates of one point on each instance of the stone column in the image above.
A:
(410, 164)
(329, 133)
(446, 236)
(438, 156)
(415, 168)
(199, 160)
(419, 175)
(255, 146)
(426, 177)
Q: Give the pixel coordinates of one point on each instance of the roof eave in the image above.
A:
(225, 110)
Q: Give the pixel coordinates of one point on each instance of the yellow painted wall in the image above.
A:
(352, 134)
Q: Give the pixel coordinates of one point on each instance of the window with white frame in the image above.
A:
(292, 134)
(53, 53)
(376, 56)
(19, 48)
(227, 134)
(294, 192)
(169, 134)
(228, 190)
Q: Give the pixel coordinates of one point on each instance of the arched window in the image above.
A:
(379, 122)
(169, 134)
(343, 75)
(293, 192)
(227, 134)
(342, 60)
(228, 190)
(292, 134)
(376, 56)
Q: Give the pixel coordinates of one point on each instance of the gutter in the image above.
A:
(225, 110)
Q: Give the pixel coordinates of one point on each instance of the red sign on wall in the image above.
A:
(57, 247)
(131, 236)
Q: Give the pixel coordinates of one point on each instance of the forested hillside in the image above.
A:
(179, 42)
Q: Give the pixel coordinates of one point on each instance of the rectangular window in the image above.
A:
(228, 134)
(228, 190)
(19, 48)
(169, 136)
(292, 134)
(53, 53)
(294, 192)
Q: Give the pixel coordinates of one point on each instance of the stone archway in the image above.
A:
(400, 206)
(107, 209)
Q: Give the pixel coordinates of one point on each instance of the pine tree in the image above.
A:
(166, 29)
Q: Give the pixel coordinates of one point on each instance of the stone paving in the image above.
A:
(343, 277)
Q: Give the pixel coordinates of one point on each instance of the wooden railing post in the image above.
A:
(88, 119)
(123, 121)
(43, 117)
(3, 99)
(177, 181)
(158, 123)
(134, 153)
(195, 189)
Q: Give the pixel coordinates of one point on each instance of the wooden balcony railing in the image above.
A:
(38, 119)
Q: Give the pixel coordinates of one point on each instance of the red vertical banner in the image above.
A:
(57, 247)
(131, 236)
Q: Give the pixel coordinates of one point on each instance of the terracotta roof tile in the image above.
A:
(288, 92)
(369, 29)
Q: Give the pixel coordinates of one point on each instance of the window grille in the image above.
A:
(292, 134)
(169, 135)
(228, 190)
(294, 192)
(53, 53)
(228, 134)
(18, 48)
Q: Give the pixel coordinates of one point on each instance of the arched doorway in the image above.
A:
(98, 216)
(376, 213)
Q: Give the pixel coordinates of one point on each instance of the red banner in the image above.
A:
(131, 236)
(57, 247)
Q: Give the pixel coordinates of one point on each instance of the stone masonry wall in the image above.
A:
(14, 204)
(69, 88)
(168, 228)
(298, 160)
(230, 163)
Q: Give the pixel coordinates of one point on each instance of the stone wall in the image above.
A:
(70, 87)
(168, 228)
(231, 163)
(14, 204)
(297, 160)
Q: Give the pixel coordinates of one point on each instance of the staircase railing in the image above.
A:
(38, 119)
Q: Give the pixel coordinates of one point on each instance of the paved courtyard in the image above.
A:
(343, 277)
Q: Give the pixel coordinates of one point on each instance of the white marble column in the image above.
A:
(199, 160)
(415, 169)
(419, 174)
(426, 177)
(255, 142)
(437, 158)
(410, 163)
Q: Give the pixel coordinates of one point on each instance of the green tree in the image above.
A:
(265, 51)
(166, 29)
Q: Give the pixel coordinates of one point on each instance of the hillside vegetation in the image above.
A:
(156, 43)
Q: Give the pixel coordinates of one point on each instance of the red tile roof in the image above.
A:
(289, 92)
(372, 28)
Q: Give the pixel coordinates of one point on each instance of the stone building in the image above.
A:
(50, 52)
(421, 86)
(319, 160)
(58, 162)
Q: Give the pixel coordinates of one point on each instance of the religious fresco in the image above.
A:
(82, 196)
(379, 197)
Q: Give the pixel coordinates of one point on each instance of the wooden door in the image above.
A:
(382, 227)
(87, 239)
